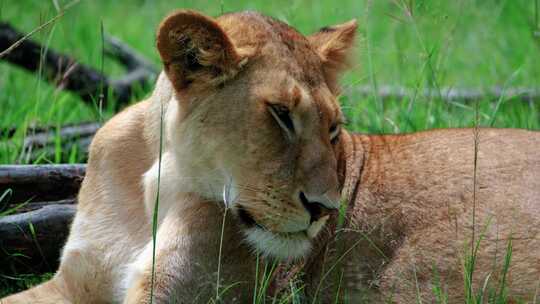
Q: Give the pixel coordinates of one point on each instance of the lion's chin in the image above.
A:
(288, 246)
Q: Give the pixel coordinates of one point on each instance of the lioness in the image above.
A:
(245, 116)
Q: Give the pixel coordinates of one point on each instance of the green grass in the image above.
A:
(415, 44)
(11, 284)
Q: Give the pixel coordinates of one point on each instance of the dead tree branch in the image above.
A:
(32, 154)
(67, 129)
(387, 92)
(66, 73)
(31, 206)
(40, 209)
(30, 242)
(127, 56)
(42, 142)
(41, 182)
(45, 137)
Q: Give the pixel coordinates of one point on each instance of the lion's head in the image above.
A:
(256, 122)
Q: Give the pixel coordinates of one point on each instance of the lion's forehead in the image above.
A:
(317, 102)
(287, 64)
(277, 44)
(326, 104)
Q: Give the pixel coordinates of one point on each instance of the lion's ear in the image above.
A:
(194, 49)
(334, 45)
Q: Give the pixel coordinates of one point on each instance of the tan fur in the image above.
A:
(409, 196)
(411, 214)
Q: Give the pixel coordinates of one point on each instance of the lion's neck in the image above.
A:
(343, 245)
(181, 162)
(370, 209)
(351, 163)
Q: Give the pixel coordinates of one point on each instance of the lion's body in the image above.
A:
(411, 210)
(411, 198)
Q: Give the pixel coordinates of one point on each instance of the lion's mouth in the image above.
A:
(311, 232)
(247, 219)
(280, 244)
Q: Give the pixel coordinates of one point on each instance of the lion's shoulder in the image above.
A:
(120, 145)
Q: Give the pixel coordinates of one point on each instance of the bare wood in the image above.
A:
(87, 82)
(66, 73)
(15, 44)
(43, 143)
(127, 56)
(31, 241)
(41, 182)
(449, 94)
(31, 238)
(82, 145)
(81, 79)
(40, 142)
(43, 138)
(31, 206)
(7, 133)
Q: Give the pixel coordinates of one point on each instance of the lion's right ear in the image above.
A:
(195, 50)
(334, 45)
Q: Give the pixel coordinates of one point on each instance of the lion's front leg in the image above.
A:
(186, 258)
(174, 266)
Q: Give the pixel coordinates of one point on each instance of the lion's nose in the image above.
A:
(318, 206)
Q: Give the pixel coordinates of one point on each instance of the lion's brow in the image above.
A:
(291, 95)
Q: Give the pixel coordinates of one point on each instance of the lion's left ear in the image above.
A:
(195, 50)
(334, 45)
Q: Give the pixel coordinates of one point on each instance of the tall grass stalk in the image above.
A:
(469, 267)
(101, 70)
(501, 99)
(31, 33)
(474, 248)
(327, 273)
(257, 261)
(265, 281)
(156, 206)
(502, 295)
(226, 202)
(372, 77)
(440, 296)
(537, 290)
(338, 291)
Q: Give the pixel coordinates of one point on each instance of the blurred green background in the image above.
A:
(411, 43)
(416, 44)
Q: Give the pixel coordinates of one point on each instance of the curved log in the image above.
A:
(68, 74)
(447, 94)
(30, 242)
(40, 182)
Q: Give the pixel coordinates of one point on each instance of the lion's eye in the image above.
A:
(334, 133)
(282, 115)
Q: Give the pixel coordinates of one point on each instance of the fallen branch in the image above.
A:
(127, 56)
(40, 183)
(67, 74)
(387, 92)
(47, 136)
(30, 242)
(31, 206)
(38, 209)
(16, 43)
(48, 152)
(43, 144)
(7, 133)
